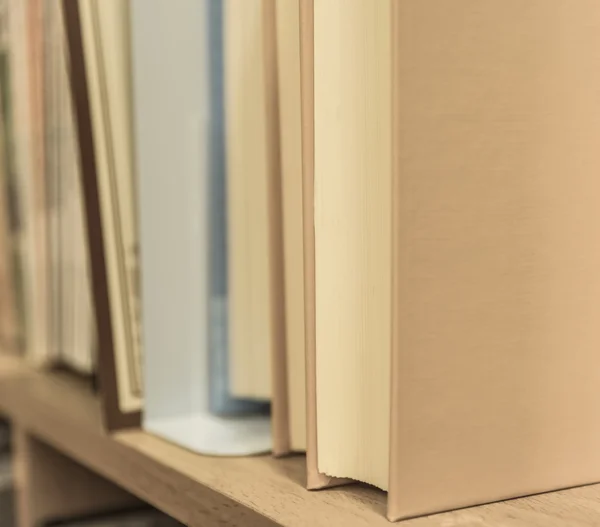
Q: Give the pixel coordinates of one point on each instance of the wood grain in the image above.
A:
(254, 491)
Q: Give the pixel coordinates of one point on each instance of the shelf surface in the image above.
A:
(202, 491)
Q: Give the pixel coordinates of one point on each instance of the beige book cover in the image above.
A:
(496, 288)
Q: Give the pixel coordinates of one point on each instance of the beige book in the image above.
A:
(469, 132)
(27, 48)
(314, 478)
(496, 292)
(253, 193)
(66, 175)
(9, 327)
(8, 320)
(289, 97)
(79, 337)
(38, 348)
(11, 175)
(70, 338)
(21, 153)
(51, 171)
(106, 46)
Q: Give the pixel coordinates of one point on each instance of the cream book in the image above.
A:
(253, 194)
(72, 338)
(11, 179)
(78, 348)
(170, 43)
(455, 198)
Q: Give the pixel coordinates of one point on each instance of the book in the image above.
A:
(173, 132)
(221, 400)
(25, 51)
(78, 329)
(71, 336)
(256, 301)
(99, 45)
(18, 111)
(9, 331)
(52, 194)
(14, 230)
(292, 356)
(455, 178)
(38, 349)
(106, 47)
(315, 479)
(8, 322)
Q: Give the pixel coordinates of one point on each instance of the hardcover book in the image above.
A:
(455, 199)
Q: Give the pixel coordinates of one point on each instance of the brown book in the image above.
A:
(102, 160)
(455, 195)
(106, 41)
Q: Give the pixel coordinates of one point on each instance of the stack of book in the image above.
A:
(364, 230)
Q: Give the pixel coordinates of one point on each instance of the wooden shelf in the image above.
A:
(202, 491)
